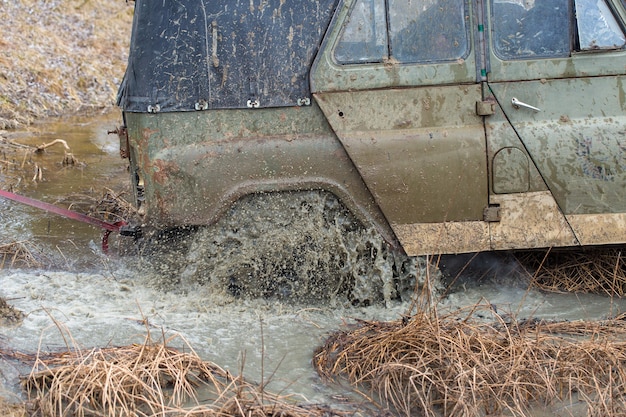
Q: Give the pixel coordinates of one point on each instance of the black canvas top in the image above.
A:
(209, 54)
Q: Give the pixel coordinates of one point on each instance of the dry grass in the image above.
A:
(151, 379)
(112, 207)
(17, 255)
(9, 315)
(16, 163)
(109, 205)
(60, 56)
(8, 409)
(457, 365)
(596, 271)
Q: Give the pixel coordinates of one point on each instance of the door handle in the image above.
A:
(517, 104)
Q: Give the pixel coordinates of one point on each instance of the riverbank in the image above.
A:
(60, 57)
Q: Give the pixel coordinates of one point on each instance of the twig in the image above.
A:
(42, 147)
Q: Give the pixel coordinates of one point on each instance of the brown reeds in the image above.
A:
(9, 409)
(459, 365)
(595, 271)
(9, 315)
(17, 255)
(17, 164)
(110, 206)
(149, 379)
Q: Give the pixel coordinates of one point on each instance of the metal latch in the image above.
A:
(122, 134)
(491, 213)
(485, 108)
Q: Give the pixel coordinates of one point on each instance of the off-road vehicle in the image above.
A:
(449, 126)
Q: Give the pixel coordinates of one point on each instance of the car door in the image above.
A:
(397, 81)
(556, 142)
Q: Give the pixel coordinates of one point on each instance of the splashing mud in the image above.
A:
(294, 245)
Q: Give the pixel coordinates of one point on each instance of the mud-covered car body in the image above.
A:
(449, 125)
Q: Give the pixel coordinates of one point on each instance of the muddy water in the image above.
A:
(88, 299)
(43, 176)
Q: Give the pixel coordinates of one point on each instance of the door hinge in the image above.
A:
(485, 108)
(491, 213)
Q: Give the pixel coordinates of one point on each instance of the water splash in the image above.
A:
(293, 245)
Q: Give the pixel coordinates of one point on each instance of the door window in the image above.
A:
(547, 28)
(523, 30)
(597, 27)
(364, 38)
(424, 31)
(411, 31)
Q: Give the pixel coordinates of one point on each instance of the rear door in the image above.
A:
(398, 82)
(557, 72)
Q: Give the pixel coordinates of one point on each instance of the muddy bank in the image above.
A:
(72, 60)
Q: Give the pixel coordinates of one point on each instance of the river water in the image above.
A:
(95, 300)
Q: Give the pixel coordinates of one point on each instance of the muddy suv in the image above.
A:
(448, 125)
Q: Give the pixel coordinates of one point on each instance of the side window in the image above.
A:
(409, 31)
(597, 27)
(428, 31)
(529, 29)
(549, 28)
(364, 37)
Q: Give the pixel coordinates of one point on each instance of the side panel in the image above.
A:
(420, 150)
(195, 165)
(576, 140)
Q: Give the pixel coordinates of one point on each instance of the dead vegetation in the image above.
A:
(595, 271)
(148, 379)
(17, 255)
(459, 365)
(17, 166)
(107, 205)
(9, 315)
(9, 409)
(72, 60)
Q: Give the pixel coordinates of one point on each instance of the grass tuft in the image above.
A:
(17, 255)
(9, 409)
(593, 271)
(460, 365)
(149, 379)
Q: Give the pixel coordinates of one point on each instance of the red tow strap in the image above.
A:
(109, 227)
